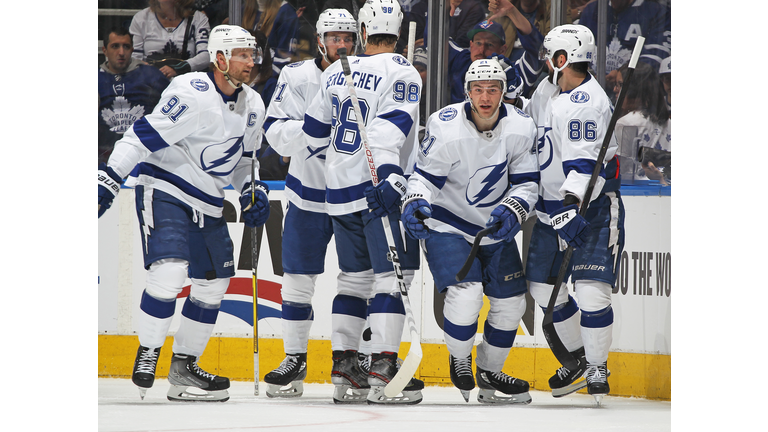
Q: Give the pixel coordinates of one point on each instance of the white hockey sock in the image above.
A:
(462, 306)
(195, 327)
(596, 319)
(347, 321)
(387, 319)
(296, 322)
(499, 331)
(165, 280)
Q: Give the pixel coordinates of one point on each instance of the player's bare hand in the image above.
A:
(300, 11)
(499, 8)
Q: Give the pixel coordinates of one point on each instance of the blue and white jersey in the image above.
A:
(196, 142)
(151, 39)
(296, 87)
(388, 89)
(464, 174)
(571, 127)
(643, 18)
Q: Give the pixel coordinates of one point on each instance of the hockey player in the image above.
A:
(475, 169)
(572, 113)
(200, 138)
(307, 228)
(388, 89)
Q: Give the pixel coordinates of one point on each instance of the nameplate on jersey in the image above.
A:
(362, 80)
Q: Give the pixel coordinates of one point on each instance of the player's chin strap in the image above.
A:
(556, 71)
(233, 82)
(491, 117)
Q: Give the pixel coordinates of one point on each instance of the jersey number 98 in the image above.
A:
(345, 135)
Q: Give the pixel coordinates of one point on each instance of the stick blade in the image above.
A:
(407, 370)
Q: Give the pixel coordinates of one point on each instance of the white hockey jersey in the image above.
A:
(388, 88)
(464, 174)
(571, 127)
(151, 39)
(195, 143)
(296, 87)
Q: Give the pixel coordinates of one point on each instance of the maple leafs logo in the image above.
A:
(122, 115)
(615, 55)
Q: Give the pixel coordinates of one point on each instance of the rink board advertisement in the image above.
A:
(641, 298)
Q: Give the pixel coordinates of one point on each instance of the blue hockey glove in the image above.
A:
(414, 212)
(570, 226)
(109, 186)
(385, 197)
(511, 214)
(514, 82)
(257, 214)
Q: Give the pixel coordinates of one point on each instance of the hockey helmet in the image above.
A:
(334, 20)
(577, 41)
(484, 70)
(226, 38)
(379, 17)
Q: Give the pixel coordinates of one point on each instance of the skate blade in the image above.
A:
(292, 390)
(346, 394)
(598, 399)
(193, 394)
(142, 392)
(465, 395)
(486, 396)
(571, 388)
(377, 397)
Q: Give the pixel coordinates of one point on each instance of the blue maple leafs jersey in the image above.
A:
(464, 174)
(195, 143)
(388, 88)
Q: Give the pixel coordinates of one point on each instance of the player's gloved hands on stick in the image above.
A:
(514, 82)
(414, 212)
(508, 213)
(257, 214)
(109, 186)
(570, 225)
(385, 197)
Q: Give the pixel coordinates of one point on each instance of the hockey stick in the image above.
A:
(254, 264)
(411, 40)
(548, 326)
(475, 247)
(413, 359)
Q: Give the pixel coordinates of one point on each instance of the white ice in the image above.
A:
(442, 410)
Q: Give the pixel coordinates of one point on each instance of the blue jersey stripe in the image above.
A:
(518, 179)
(437, 181)
(348, 194)
(581, 166)
(271, 120)
(315, 128)
(401, 119)
(188, 189)
(148, 135)
(446, 216)
(304, 192)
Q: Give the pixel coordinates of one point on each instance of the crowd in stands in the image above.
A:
(167, 38)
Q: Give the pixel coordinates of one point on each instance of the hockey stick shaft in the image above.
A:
(254, 264)
(548, 326)
(473, 253)
(413, 358)
(411, 40)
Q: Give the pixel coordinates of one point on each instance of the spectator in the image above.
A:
(628, 19)
(665, 71)
(413, 11)
(644, 125)
(128, 89)
(464, 15)
(420, 63)
(280, 22)
(537, 13)
(171, 36)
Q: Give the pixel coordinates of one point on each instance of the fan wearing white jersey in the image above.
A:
(200, 138)
(572, 113)
(388, 88)
(307, 228)
(476, 169)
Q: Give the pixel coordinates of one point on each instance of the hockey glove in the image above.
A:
(511, 214)
(385, 197)
(415, 211)
(570, 225)
(514, 82)
(109, 186)
(257, 214)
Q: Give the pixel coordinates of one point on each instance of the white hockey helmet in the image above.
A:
(577, 41)
(334, 20)
(226, 38)
(379, 17)
(484, 70)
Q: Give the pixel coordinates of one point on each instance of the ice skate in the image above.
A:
(516, 390)
(461, 374)
(384, 367)
(597, 381)
(351, 383)
(287, 381)
(144, 368)
(364, 360)
(565, 381)
(186, 375)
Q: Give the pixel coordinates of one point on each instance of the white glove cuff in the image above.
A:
(398, 183)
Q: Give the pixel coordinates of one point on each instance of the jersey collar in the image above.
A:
(226, 98)
(468, 111)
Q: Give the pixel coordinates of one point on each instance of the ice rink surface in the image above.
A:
(442, 410)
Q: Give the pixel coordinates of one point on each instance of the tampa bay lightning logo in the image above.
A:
(400, 60)
(199, 84)
(221, 159)
(579, 97)
(297, 64)
(447, 114)
(487, 185)
(521, 112)
(544, 147)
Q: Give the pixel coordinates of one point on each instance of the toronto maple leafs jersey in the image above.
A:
(151, 38)
(388, 89)
(642, 18)
(296, 87)
(195, 143)
(464, 174)
(571, 127)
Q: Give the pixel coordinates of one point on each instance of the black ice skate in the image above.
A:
(490, 382)
(351, 383)
(461, 374)
(287, 381)
(597, 381)
(383, 368)
(564, 381)
(186, 375)
(144, 368)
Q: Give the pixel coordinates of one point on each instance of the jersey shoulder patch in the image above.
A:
(579, 97)
(447, 114)
(400, 60)
(521, 112)
(297, 64)
(199, 84)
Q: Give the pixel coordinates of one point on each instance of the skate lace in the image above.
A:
(596, 373)
(196, 369)
(563, 372)
(365, 364)
(286, 365)
(463, 366)
(501, 376)
(147, 361)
